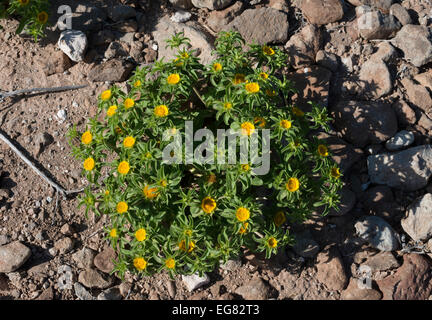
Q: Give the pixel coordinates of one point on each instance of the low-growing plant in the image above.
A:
(32, 15)
(187, 217)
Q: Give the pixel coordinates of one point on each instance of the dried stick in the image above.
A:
(39, 90)
(56, 186)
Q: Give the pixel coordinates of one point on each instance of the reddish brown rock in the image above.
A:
(321, 12)
(418, 95)
(104, 261)
(356, 292)
(303, 47)
(218, 19)
(330, 268)
(313, 84)
(412, 281)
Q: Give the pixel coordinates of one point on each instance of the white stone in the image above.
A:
(74, 44)
(194, 281)
(181, 16)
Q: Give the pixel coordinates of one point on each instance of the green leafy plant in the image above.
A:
(188, 217)
(32, 15)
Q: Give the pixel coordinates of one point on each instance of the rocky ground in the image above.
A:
(368, 61)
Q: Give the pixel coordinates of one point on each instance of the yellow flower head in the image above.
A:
(89, 164)
(129, 142)
(178, 62)
(247, 128)
(129, 103)
(188, 232)
(268, 51)
(242, 214)
(286, 124)
(170, 263)
(322, 150)
(263, 75)
(298, 112)
(184, 55)
(161, 111)
(121, 207)
(182, 246)
(335, 173)
(111, 111)
(252, 87)
(173, 78)
(150, 193)
(217, 67)
(42, 17)
(86, 137)
(260, 121)
(113, 233)
(270, 93)
(106, 95)
(243, 228)
(239, 78)
(245, 167)
(163, 183)
(123, 167)
(211, 178)
(272, 242)
(140, 234)
(140, 263)
(208, 204)
(24, 2)
(279, 218)
(292, 185)
(137, 84)
(227, 105)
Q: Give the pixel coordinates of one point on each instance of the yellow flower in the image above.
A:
(42, 17)
(268, 51)
(217, 67)
(178, 62)
(148, 155)
(137, 84)
(89, 164)
(292, 185)
(150, 193)
(322, 150)
(298, 112)
(182, 246)
(244, 227)
(106, 192)
(252, 87)
(286, 124)
(242, 214)
(123, 167)
(188, 232)
(140, 263)
(106, 95)
(208, 204)
(121, 207)
(113, 233)
(245, 167)
(111, 111)
(270, 93)
(263, 75)
(211, 178)
(86, 137)
(227, 105)
(24, 2)
(170, 263)
(279, 218)
(141, 234)
(239, 78)
(247, 128)
(260, 121)
(129, 142)
(272, 242)
(161, 111)
(173, 78)
(335, 173)
(129, 103)
(185, 55)
(163, 183)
